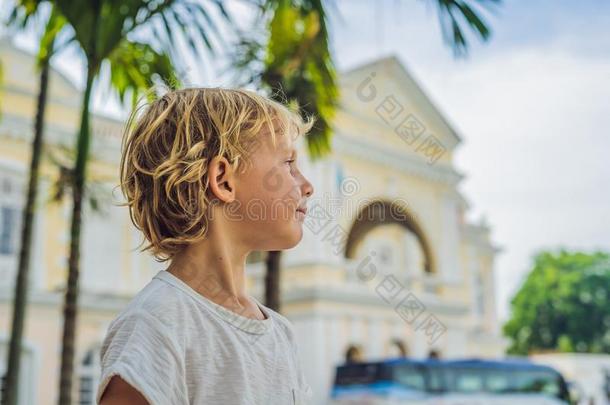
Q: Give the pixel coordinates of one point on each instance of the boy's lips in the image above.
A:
(303, 210)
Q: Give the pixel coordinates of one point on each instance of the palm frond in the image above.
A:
(453, 14)
(135, 67)
(54, 26)
(294, 63)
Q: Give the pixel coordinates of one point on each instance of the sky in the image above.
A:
(532, 106)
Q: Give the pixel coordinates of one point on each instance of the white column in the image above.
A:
(448, 252)
(335, 353)
(420, 347)
(376, 338)
(455, 342)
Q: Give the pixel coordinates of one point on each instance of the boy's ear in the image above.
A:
(221, 179)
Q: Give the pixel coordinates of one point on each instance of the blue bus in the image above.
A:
(437, 382)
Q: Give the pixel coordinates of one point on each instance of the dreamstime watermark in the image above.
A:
(320, 220)
(346, 204)
(368, 209)
(406, 125)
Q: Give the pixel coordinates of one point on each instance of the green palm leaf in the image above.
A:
(453, 14)
(135, 67)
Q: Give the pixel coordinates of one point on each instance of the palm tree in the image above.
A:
(297, 68)
(295, 64)
(158, 64)
(103, 29)
(20, 16)
(302, 68)
(1, 75)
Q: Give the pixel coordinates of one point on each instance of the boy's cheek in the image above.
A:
(291, 194)
(272, 180)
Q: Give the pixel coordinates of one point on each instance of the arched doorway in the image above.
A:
(381, 212)
(434, 354)
(397, 348)
(354, 354)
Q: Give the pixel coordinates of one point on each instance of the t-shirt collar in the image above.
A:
(250, 325)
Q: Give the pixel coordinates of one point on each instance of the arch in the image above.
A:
(353, 354)
(400, 346)
(434, 354)
(383, 212)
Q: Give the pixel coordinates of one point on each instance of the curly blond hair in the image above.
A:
(168, 145)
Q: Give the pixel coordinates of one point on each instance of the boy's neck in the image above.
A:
(215, 268)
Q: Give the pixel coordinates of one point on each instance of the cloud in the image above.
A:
(535, 152)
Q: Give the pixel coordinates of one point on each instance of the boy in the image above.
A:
(209, 176)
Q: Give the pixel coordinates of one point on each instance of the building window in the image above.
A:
(8, 224)
(6, 187)
(2, 387)
(89, 377)
(26, 389)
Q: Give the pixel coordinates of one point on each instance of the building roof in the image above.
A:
(392, 65)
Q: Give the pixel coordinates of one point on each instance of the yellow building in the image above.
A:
(387, 261)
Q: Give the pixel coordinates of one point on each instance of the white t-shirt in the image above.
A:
(177, 347)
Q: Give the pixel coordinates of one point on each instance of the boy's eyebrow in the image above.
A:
(290, 149)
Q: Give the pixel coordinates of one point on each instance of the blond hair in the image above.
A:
(168, 145)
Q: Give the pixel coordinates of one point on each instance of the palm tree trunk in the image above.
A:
(272, 280)
(273, 261)
(71, 298)
(78, 189)
(11, 382)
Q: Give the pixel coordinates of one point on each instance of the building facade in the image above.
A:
(388, 264)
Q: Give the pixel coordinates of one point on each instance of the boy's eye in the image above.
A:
(290, 161)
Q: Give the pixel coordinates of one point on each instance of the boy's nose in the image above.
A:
(306, 188)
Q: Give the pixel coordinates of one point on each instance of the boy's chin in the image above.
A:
(289, 240)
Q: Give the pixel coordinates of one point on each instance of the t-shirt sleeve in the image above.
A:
(141, 350)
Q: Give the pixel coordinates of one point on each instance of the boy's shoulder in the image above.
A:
(157, 300)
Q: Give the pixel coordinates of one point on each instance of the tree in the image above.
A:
(562, 305)
(292, 62)
(20, 16)
(298, 68)
(1, 75)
